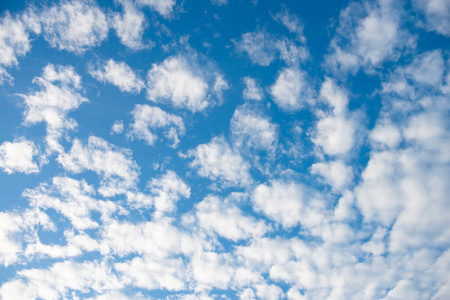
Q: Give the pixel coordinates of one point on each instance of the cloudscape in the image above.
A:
(225, 149)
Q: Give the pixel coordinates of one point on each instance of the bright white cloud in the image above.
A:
(118, 74)
(165, 192)
(18, 156)
(217, 160)
(227, 220)
(182, 82)
(253, 130)
(280, 201)
(263, 48)
(14, 42)
(252, 90)
(163, 7)
(117, 127)
(115, 166)
(51, 105)
(335, 173)
(147, 118)
(130, 25)
(74, 26)
(376, 38)
(10, 226)
(290, 91)
(437, 15)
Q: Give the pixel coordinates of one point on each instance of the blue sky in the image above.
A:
(224, 149)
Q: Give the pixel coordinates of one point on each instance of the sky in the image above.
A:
(224, 149)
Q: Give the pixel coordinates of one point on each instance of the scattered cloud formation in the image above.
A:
(308, 158)
(118, 74)
(151, 117)
(74, 26)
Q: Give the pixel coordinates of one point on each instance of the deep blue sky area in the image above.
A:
(224, 149)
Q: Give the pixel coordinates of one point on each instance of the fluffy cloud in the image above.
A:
(14, 42)
(118, 171)
(263, 48)
(227, 220)
(163, 7)
(51, 105)
(335, 173)
(252, 90)
(183, 82)
(368, 35)
(217, 160)
(10, 225)
(74, 26)
(118, 74)
(251, 129)
(151, 117)
(18, 156)
(130, 25)
(437, 15)
(290, 91)
(280, 201)
(292, 23)
(335, 130)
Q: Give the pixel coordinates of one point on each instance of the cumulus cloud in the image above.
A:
(147, 118)
(57, 97)
(335, 131)
(227, 220)
(18, 156)
(117, 170)
(368, 36)
(252, 90)
(263, 48)
(280, 201)
(251, 129)
(130, 25)
(290, 90)
(437, 15)
(292, 23)
(218, 161)
(335, 173)
(163, 7)
(74, 26)
(183, 82)
(14, 42)
(118, 74)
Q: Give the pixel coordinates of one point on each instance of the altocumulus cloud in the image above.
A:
(224, 150)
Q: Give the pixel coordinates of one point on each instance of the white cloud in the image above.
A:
(252, 90)
(118, 171)
(219, 2)
(386, 133)
(183, 82)
(165, 192)
(335, 173)
(148, 273)
(250, 129)
(290, 91)
(259, 45)
(53, 103)
(59, 279)
(335, 131)
(163, 7)
(151, 117)
(292, 23)
(119, 74)
(217, 161)
(117, 127)
(130, 25)
(437, 15)
(18, 157)
(263, 48)
(227, 220)
(10, 226)
(74, 26)
(14, 42)
(280, 201)
(368, 36)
